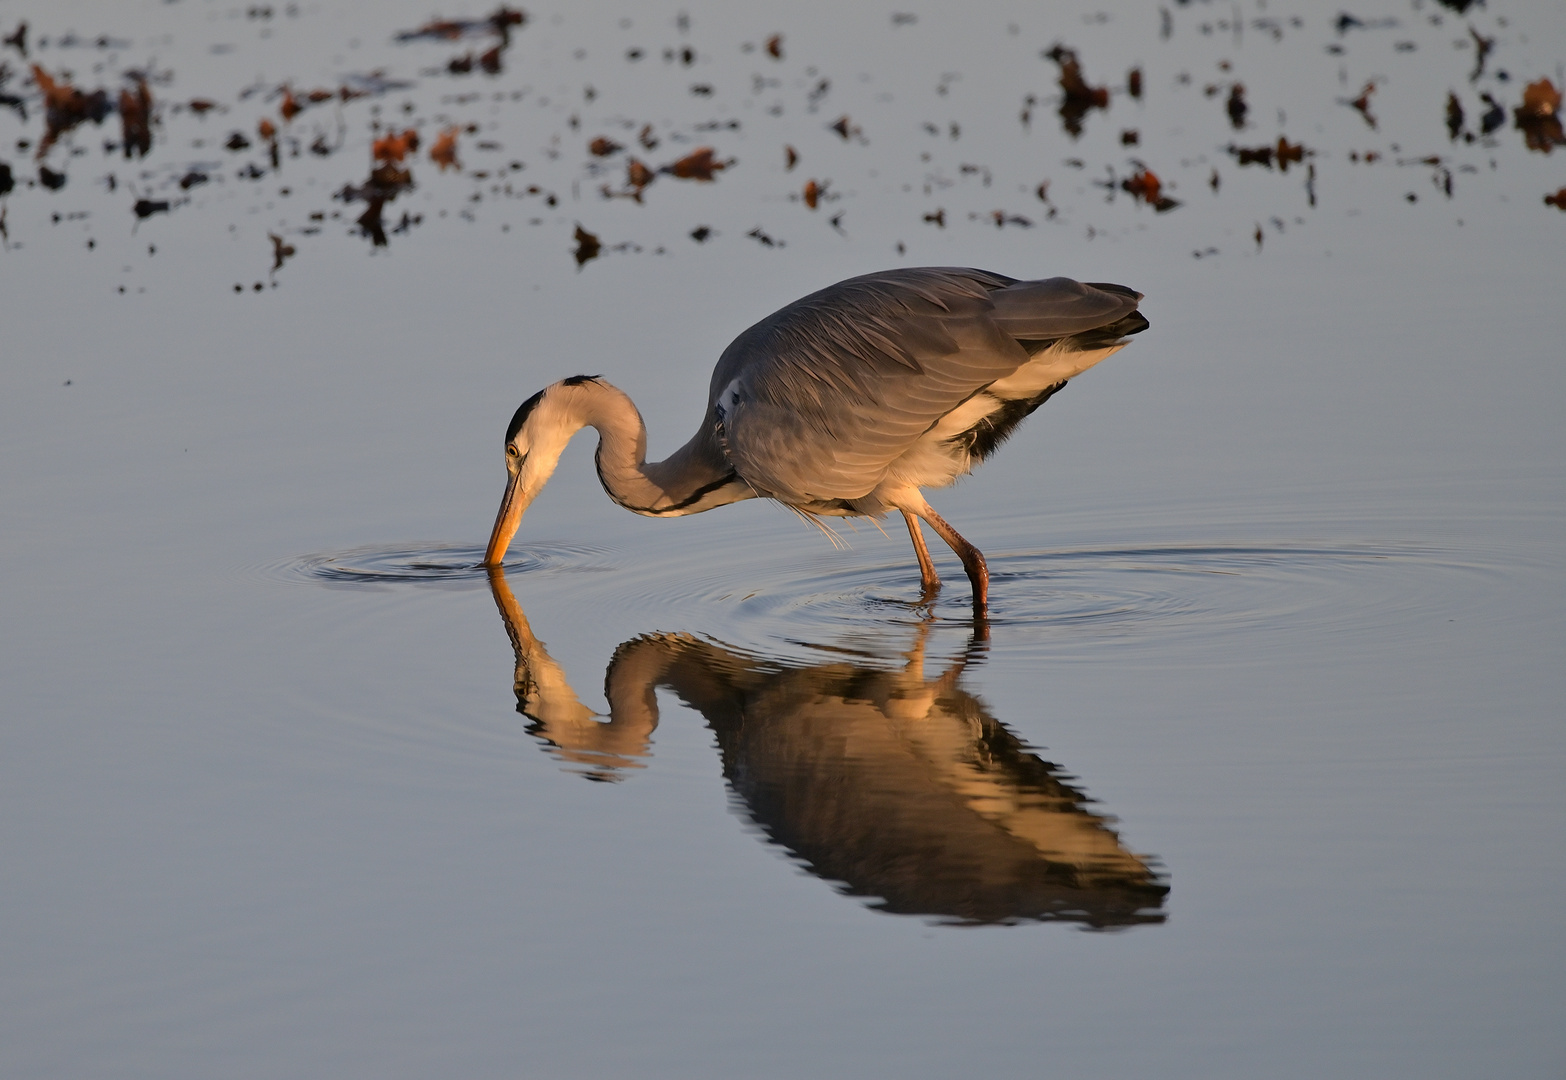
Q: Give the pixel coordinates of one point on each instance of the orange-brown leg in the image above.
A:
(972, 560)
(928, 579)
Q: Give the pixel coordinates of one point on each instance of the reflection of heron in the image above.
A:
(845, 403)
(890, 784)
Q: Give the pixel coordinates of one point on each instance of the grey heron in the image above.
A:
(845, 403)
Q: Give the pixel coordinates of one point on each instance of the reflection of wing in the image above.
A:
(892, 785)
(936, 811)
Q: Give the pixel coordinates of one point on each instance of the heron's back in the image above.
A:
(918, 372)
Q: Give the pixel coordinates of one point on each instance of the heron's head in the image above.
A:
(538, 434)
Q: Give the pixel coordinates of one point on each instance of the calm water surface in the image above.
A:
(1255, 772)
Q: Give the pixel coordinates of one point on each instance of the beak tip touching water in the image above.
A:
(506, 522)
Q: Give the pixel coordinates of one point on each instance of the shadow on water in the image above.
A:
(888, 782)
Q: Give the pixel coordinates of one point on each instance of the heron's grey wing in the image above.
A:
(1054, 308)
(818, 399)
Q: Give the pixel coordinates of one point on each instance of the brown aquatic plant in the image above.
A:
(603, 146)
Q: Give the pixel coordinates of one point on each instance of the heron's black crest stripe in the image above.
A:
(982, 439)
(578, 380)
(522, 413)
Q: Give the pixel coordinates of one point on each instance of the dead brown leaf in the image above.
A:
(1144, 186)
(444, 150)
(700, 164)
(587, 246)
(136, 119)
(395, 146)
(65, 107)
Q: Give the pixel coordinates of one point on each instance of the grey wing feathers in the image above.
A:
(1059, 307)
(815, 401)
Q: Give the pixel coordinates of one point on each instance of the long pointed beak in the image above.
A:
(506, 521)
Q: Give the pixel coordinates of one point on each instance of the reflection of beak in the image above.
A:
(574, 731)
(506, 521)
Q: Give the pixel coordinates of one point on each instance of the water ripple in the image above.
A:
(429, 564)
(1062, 599)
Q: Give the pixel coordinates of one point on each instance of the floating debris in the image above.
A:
(65, 107)
(1538, 117)
(281, 251)
(1454, 117)
(1144, 186)
(136, 119)
(587, 246)
(1361, 104)
(700, 164)
(443, 152)
(1079, 96)
(1236, 106)
(1282, 154)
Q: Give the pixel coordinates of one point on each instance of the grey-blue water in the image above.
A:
(1256, 771)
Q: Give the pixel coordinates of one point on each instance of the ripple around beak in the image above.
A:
(430, 564)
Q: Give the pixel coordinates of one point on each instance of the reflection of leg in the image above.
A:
(972, 559)
(928, 578)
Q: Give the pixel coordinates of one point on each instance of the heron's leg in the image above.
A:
(928, 578)
(972, 559)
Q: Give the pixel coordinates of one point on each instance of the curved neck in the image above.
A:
(694, 478)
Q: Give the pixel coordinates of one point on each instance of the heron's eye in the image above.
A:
(511, 452)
